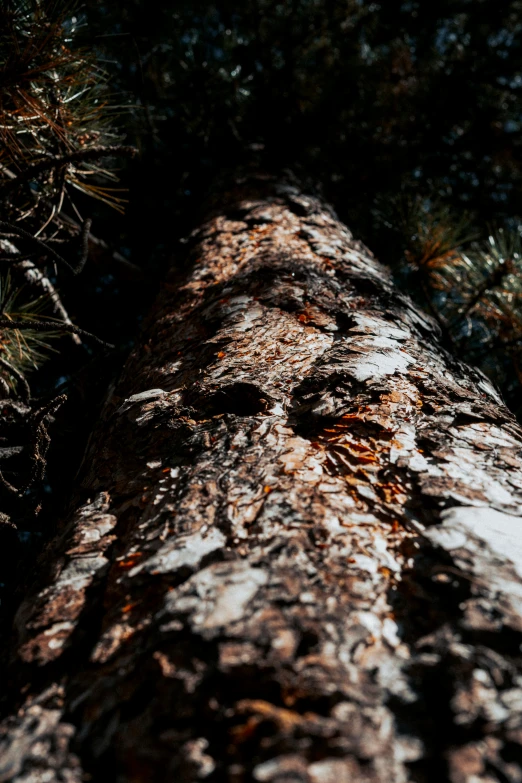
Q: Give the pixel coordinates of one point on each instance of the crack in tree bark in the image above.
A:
(297, 553)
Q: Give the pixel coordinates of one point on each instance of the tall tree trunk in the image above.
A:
(298, 550)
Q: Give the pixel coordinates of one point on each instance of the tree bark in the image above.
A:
(297, 553)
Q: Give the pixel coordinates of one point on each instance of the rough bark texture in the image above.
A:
(298, 554)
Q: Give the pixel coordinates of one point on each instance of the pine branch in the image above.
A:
(37, 326)
(10, 228)
(493, 281)
(93, 153)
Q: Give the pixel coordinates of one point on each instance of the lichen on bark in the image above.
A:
(296, 553)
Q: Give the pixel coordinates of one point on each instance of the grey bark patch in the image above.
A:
(502, 533)
(217, 596)
(144, 396)
(181, 553)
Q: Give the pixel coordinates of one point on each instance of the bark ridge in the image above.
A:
(298, 551)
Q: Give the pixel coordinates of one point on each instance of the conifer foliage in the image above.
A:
(56, 142)
(471, 283)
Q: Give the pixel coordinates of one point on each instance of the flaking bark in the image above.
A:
(298, 553)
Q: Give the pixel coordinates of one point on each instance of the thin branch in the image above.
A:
(84, 245)
(46, 410)
(38, 326)
(40, 446)
(99, 245)
(19, 377)
(36, 278)
(10, 228)
(18, 257)
(10, 487)
(93, 153)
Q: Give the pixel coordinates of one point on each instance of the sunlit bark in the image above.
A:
(297, 553)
